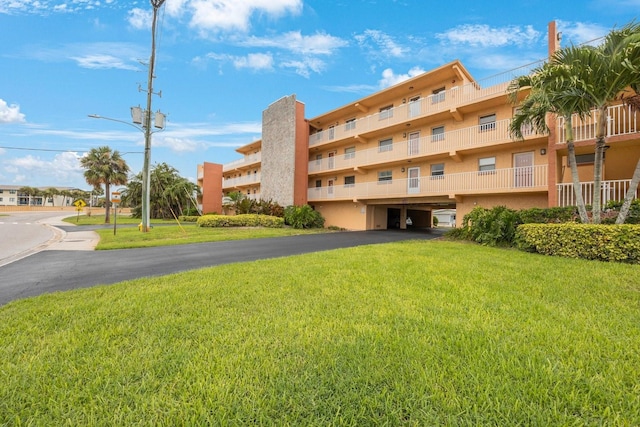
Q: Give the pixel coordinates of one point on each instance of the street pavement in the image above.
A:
(68, 260)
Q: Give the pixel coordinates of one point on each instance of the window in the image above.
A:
(349, 181)
(350, 124)
(0, 199)
(350, 153)
(318, 183)
(318, 159)
(437, 134)
(487, 164)
(583, 159)
(385, 145)
(438, 95)
(332, 132)
(384, 177)
(12, 191)
(487, 122)
(437, 170)
(386, 112)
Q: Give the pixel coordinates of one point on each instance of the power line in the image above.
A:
(60, 151)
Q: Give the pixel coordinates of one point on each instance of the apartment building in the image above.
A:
(12, 195)
(437, 141)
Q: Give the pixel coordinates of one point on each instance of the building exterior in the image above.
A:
(12, 195)
(437, 141)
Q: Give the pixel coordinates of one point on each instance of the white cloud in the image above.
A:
(305, 66)
(10, 113)
(123, 56)
(389, 78)
(64, 167)
(140, 18)
(231, 15)
(317, 44)
(381, 44)
(255, 61)
(485, 36)
(580, 32)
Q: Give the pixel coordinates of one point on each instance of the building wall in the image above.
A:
(210, 183)
(279, 151)
(489, 201)
(345, 214)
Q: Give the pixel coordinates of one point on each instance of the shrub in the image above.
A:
(303, 217)
(243, 220)
(188, 218)
(633, 217)
(435, 221)
(191, 212)
(554, 215)
(492, 227)
(588, 241)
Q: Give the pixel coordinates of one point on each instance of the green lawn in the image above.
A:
(121, 219)
(166, 235)
(412, 333)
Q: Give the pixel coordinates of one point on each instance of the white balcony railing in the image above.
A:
(246, 160)
(610, 190)
(253, 178)
(474, 136)
(441, 101)
(532, 178)
(621, 120)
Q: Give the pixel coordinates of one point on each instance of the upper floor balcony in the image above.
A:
(449, 143)
(621, 120)
(246, 161)
(521, 179)
(419, 107)
(241, 181)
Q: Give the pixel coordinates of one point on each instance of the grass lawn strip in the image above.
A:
(415, 333)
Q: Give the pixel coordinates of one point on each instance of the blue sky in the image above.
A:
(220, 63)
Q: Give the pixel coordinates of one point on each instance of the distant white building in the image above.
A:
(10, 195)
(446, 217)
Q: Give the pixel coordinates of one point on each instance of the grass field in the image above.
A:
(413, 333)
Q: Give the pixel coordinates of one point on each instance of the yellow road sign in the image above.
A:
(79, 203)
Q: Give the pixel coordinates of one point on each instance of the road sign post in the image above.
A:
(115, 199)
(79, 204)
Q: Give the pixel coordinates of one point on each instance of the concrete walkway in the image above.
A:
(69, 239)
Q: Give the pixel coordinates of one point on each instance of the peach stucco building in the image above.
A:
(437, 141)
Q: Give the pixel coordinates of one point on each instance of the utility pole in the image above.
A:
(146, 173)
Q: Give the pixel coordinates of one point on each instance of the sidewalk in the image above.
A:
(81, 240)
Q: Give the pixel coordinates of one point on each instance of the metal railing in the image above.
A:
(441, 101)
(610, 190)
(621, 120)
(246, 160)
(533, 178)
(474, 136)
(253, 178)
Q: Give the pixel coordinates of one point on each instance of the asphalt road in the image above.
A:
(59, 270)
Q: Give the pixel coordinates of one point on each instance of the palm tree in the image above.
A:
(551, 90)
(579, 79)
(105, 166)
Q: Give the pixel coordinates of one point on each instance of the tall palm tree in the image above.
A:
(105, 166)
(605, 74)
(584, 78)
(551, 91)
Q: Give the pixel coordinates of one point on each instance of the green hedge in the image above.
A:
(245, 220)
(588, 241)
(188, 218)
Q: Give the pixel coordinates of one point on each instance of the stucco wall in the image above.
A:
(516, 202)
(279, 151)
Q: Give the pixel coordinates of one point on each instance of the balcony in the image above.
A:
(611, 190)
(244, 162)
(241, 181)
(621, 120)
(448, 142)
(526, 179)
(442, 101)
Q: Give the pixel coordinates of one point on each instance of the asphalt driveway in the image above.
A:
(59, 270)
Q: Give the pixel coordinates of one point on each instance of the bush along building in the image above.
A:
(440, 140)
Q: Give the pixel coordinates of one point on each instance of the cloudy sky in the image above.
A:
(220, 63)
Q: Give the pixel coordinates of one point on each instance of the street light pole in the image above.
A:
(146, 173)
